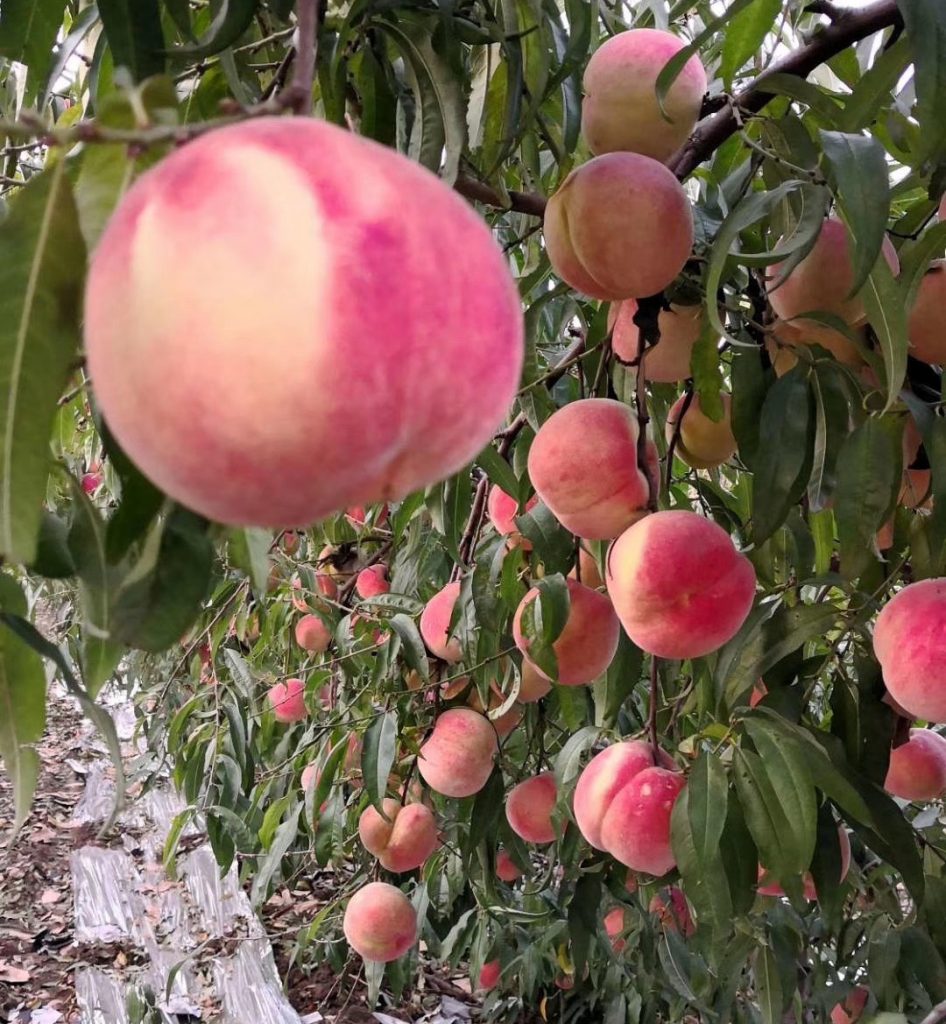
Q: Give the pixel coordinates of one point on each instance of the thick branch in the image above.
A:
(307, 25)
(519, 202)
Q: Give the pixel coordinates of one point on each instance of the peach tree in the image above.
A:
(500, 448)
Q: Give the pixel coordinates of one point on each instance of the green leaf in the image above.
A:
(832, 423)
(377, 755)
(498, 470)
(232, 19)
(66, 50)
(750, 383)
(249, 551)
(886, 312)
(550, 540)
(42, 268)
(826, 866)
(768, 986)
(740, 856)
(925, 22)
(622, 676)
(707, 375)
(28, 30)
(543, 620)
(53, 558)
(415, 654)
(135, 37)
(568, 760)
(745, 35)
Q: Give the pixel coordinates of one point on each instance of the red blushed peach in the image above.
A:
(605, 775)
(373, 581)
(619, 227)
(310, 777)
(435, 624)
(288, 701)
(620, 109)
(822, 281)
(353, 287)
(380, 923)
(506, 868)
(312, 634)
(672, 910)
(885, 536)
(917, 769)
(589, 641)
(457, 758)
(403, 838)
(614, 927)
(915, 491)
(533, 685)
(759, 692)
(489, 976)
(787, 337)
(502, 510)
(583, 465)
(701, 442)
(590, 573)
(910, 644)
(925, 328)
(767, 887)
(529, 809)
(505, 723)
(667, 362)
(679, 587)
(850, 1011)
(636, 828)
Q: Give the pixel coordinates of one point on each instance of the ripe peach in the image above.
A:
(312, 634)
(288, 701)
(502, 510)
(667, 362)
(917, 769)
(619, 227)
(850, 1011)
(529, 809)
(678, 585)
(910, 644)
(767, 887)
(822, 280)
(506, 868)
(614, 926)
(590, 573)
(915, 492)
(803, 333)
(506, 722)
(353, 286)
(310, 776)
(356, 515)
(290, 542)
(925, 328)
(457, 758)
(587, 644)
(435, 624)
(701, 443)
(373, 581)
(380, 923)
(635, 830)
(620, 109)
(533, 685)
(759, 691)
(489, 976)
(671, 908)
(403, 838)
(583, 465)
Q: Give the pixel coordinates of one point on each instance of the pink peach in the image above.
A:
(380, 922)
(529, 807)
(636, 828)
(288, 701)
(850, 1011)
(502, 510)
(671, 908)
(457, 758)
(435, 624)
(702, 443)
(667, 362)
(533, 685)
(489, 976)
(312, 634)
(506, 868)
(925, 329)
(917, 769)
(769, 887)
(372, 581)
(403, 838)
(614, 926)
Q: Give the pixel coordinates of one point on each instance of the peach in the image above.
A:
(533, 685)
(502, 510)
(310, 777)
(590, 573)
(380, 922)
(288, 701)
(917, 769)
(925, 328)
(505, 723)
(672, 910)
(910, 644)
(786, 337)
(529, 809)
(341, 283)
(589, 641)
(759, 692)
(614, 926)
(489, 976)
(435, 624)
(372, 581)
(679, 587)
(402, 838)
(620, 109)
(312, 634)
(506, 868)
(850, 1011)
(822, 281)
(457, 758)
(667, 362)
(635, 830)
(619, 227)
(915, 491)
(767, 887)
(583, 465)
(701, 442)
(356, 515)
(290, 542)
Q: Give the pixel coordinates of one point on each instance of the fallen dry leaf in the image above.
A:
(50, 896)
(13, 975)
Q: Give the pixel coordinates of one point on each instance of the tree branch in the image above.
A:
(307, 26)
(531, 203)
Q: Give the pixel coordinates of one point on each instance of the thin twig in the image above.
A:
(303, 77)
(652, 716)
(675, 436)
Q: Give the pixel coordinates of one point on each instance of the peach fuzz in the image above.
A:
(502, 510)
(925, 328)
(490, 973)
(910, 644)
(667, 362)
(850, 1011)
(589, 641)
(917, 769)
(614, 926)
(767, 887)
(529, 807)
(679, 587)
(620, 109)
(605, 775)
(372, 582)
(672, 910)
(506, 868)
(402, 838)
(287, 701)
(533, 685)
(352, 286)
(583, 465)
(701, 442)
(312, 634)
(457, 758)
(786, 338)
(619, 227)
(636, 828)
(822, 281)
(380, 922)
(435, 624)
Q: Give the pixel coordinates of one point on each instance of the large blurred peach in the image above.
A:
(679, 587)
(457, 757)
(636, 828)
(583, 465)
(589, 641)
(917, 769)
(502, 509)
(672, 910)
(372, 581)
(926, 328)
(619, 227)
(910, 644)
(403, 838)
(435, 624)
(312, 634)
(620, 109)
(288, 701)
(701, 442)
(667, 362)
(529, 807)
(194, 315)
(822, 281)
(380, 923)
